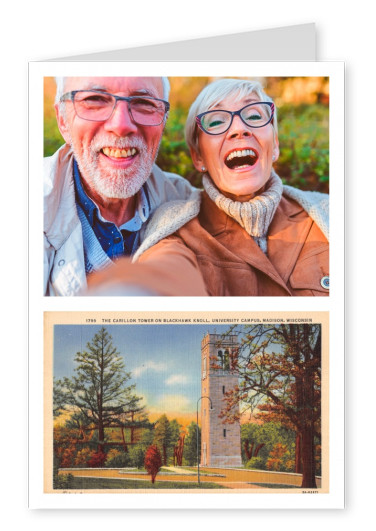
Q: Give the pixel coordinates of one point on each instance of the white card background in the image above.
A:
(36, 32)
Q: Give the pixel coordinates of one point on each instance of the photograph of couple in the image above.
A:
(187, 186)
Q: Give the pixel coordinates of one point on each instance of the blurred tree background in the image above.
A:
(303, 128)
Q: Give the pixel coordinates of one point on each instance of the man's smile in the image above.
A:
(117, 153)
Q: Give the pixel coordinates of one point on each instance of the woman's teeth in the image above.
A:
(241, 153)
(241, 158)
(119, 153)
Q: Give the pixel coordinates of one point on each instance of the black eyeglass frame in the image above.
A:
(236, 113)
(71, 96)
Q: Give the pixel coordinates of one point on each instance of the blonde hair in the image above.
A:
(216, 92)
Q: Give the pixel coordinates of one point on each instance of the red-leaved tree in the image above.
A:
(153, 461)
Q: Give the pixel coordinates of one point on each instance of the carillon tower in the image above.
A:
(220, 443)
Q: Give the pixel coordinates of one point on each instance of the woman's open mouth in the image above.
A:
(241, 158)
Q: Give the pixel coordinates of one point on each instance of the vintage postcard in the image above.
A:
(187, 403)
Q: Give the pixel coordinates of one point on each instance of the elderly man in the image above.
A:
(102, 186)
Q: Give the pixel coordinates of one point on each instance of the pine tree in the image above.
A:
(99, 390)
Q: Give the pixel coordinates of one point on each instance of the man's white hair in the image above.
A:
(60, 85)
(213, 94)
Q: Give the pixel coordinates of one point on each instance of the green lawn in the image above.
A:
(275, 486)
(111, 483)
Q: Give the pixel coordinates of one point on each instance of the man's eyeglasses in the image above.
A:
(253, 115)
(98, 106)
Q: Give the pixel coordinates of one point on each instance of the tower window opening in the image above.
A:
(223, 389)
(226, 361)
(224, 432)
(220, 358)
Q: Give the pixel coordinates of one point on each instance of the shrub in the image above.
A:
(256, 462)
(82, 457)
(119, 460)
(137, 456)
(67, 457)
(63, 481)
(97, 459)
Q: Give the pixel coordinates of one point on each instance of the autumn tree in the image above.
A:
(279, 368)
(153, 461)
(99, 391)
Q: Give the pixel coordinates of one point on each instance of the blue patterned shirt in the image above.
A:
(115, 241)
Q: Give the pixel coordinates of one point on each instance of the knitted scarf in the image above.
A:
(255, 215)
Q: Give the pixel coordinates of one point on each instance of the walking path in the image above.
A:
(230, 478)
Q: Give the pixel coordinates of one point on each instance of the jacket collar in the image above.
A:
(60, 215)
(60, 212)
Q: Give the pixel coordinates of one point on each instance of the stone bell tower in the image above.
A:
(220, 443)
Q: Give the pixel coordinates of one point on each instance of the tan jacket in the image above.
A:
(213, 255)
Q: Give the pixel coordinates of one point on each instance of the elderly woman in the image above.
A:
(247, 234)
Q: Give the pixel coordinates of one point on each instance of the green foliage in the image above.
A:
(174, 432)
(121, 460)
(52, 137)
(269, 435)
(174, 155)
(304, 146)
(257, 463)
(63, 481)
(166, 435)
(147, 437)
(137, 456)
(190, 445)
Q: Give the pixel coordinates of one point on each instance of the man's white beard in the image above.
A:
(115, 183)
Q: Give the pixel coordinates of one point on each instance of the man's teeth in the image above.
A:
(241, 153)
(119, 153)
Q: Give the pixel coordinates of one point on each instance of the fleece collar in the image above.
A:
(170, 217)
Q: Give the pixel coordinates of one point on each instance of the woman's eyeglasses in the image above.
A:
(254, 115)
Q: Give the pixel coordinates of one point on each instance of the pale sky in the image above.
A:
(164, 359)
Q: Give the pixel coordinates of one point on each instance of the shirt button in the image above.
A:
(61, 262)
(117, 240)
(325, 282)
